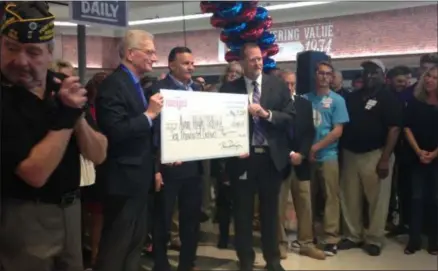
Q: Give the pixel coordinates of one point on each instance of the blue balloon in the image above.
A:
(261, 14)
(226, 10)
(267, 39)
(235, 29)
(269, 64)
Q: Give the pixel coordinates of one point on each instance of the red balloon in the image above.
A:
(272, 50)
(246, 16)
(224, 38)
(253, 33)
(231, 56)
(218, 22)
(207, 7)
(267, 24)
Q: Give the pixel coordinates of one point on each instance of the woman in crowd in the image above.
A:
(92, 205)
(421, 131)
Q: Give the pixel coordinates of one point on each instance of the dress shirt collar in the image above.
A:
(249, 82)
(181, 84)
(133, 76)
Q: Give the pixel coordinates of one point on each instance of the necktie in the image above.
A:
(141, 94)
(258, 137)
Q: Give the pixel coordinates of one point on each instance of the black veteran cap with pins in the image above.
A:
(28, 22)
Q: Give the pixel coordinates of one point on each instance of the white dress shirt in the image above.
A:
(250, 86)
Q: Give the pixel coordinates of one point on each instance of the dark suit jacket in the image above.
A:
(187, 169)
(276, 98)
(302, 136)
(128, 169)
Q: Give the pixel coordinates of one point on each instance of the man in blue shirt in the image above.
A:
(329, 116)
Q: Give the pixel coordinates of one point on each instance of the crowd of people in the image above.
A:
(359, 161)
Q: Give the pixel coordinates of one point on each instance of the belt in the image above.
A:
(260, 149)
(63, 201)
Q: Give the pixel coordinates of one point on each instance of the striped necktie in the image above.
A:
(257, 136)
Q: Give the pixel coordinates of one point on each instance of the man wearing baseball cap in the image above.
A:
(368, 142)
(43, 133)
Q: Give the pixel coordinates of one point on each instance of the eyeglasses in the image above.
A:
(147, 52)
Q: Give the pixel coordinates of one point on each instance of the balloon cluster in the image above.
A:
(241, 22)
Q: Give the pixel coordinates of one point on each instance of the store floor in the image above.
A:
(392, 258)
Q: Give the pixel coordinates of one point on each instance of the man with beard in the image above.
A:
(368, 143)
(262, 170)
(177, 182)
(44, 131)
(398, 81)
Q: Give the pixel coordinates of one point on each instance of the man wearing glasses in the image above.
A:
(329, 116)
(126, 117)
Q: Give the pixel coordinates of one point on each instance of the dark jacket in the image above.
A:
(276, 98)
(302, 136)
(128, 169)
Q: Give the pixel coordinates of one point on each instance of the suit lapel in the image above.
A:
(131, 89)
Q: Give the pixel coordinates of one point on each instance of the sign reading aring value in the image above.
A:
(106, 13)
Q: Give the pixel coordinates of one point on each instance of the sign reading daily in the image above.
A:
(106, 13)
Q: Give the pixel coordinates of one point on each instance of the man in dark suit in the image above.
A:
(264, 168)
(126, 118)
(301, 134)
(177, 182)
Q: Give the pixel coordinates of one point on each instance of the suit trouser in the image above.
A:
(302, 199)
(124, 232)
(359, 178)
(188, 193)
(264, 179)
(36, 236)
(325, 176)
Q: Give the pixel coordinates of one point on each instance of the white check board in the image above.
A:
(203, 125)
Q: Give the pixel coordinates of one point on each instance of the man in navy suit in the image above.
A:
(126, 118)
(177, 181)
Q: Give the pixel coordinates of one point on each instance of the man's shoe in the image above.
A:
(346, 244)
(372, 250)
(313, 253)
(331, 249)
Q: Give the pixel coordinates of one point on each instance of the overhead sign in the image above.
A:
(105, 13)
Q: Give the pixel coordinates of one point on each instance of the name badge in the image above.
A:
(326, 102)
(370, 104)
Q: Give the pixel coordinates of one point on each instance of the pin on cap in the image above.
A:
(28, 22)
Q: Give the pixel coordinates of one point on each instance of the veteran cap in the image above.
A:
(28, 22)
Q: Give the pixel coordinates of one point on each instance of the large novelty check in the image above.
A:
(203, 125)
